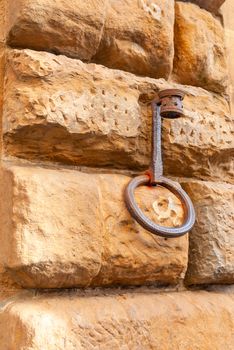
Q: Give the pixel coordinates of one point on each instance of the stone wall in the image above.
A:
(227, 11)
(76, 270)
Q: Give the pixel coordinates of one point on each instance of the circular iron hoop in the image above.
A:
(144, 221)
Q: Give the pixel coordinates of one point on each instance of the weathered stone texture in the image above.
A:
(2, 51)
(65, 228)
(210, 5)
(188, 320)
(2, 64)
(211, 242)
(227, 11)
(61, 228)
(200, 57)
(8, 287)
(71, 27)
(2, 25)
(59, 109)
(138, 37)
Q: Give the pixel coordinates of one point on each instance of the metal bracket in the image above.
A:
(168, 104)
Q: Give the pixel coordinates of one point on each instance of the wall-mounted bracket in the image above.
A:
(168, 104)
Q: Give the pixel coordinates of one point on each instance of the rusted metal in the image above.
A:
(171, 102)
(168, 105)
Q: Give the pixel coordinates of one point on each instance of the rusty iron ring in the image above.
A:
(139, 216)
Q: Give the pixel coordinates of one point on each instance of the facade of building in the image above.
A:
(77, 79)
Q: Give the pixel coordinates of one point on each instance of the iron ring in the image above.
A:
(144, 221)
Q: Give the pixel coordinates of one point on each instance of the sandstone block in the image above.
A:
(200, 57)
(60, 109)
(3, 24)
(65, 228)
(2, 50)
(138, 37)
(72, 27)
(2, 65)
(227, 12)
(188, 320)
(130, 35)
(211, 242)
(210, 5)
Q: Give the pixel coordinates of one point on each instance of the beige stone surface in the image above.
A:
(2, 57)
(60, 109)
(210, 5)
(63, 228)
(200, 57)
(71, 27)
(2, 65)
(126, 320)
(227, 12)
(211, 241)
(138, 37)
(133, 35)
(3, 24)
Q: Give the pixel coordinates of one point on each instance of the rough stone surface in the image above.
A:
(200, 57)
(2, 64)
(59, 109)
(3, 25)
(227, 11)
(2, 56)
(62, 228)
(188, 320)
(211, 242)
(72, 27)
(134, 35)
(66, 228)
(138, 37)
(210, 5)
(8, 287)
